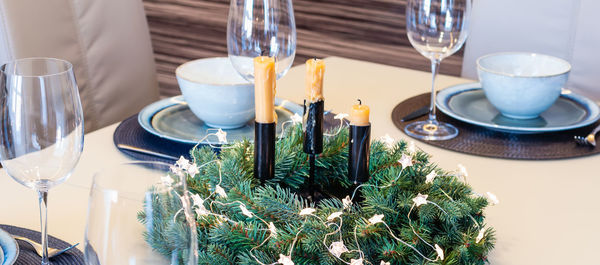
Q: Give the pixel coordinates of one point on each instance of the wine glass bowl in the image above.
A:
(42, 121)
(41, 128)
(436, 29)
(135, 216)
(261, 28)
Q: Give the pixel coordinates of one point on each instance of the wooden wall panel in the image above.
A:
(371, 30)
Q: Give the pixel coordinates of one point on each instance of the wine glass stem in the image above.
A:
(435, 65)
(43, 200)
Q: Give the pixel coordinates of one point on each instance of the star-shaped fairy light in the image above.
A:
(221, 136)
(183, 163)
(439, 251)
(411, 148)
(356, 261)
(378, 218)
(462, 171)
(220, 191)
(202, 211)
(199, 204)
(307, 211)
(245, 210)
(193, 170)
(347, 202)
(196, 200)
(388, 140)
(430, 177)
(285, 260)
(338, 248)
(334, 215)
(420, 199)
(176, 170)
(384, 263)
(296, 119)
(340, 116)
(480, 235)
(406, 161)
(492, 198)
(272, 229)
(167, 180)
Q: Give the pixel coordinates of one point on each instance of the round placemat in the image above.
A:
(480, 141)
(130, 132)
(28, 256)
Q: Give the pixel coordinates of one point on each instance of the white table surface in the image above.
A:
(547, 214)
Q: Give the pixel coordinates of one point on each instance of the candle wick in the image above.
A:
(304, 108)
(359, 101)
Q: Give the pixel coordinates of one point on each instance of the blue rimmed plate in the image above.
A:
(467, 103)
(172, 119)
(10, 249)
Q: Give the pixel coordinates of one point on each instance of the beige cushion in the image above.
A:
(566, 29)
(107, 41)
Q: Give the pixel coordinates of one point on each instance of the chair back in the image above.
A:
(107, 41)
(565, 29)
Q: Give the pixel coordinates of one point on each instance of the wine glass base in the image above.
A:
(431, 130)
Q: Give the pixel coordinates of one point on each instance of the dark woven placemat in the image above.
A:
(130, 132)
(480, 141)
(28, 256)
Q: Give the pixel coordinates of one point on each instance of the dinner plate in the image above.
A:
(467, 103)
(172, 119)
(10, 249)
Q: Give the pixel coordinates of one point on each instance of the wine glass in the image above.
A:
(261, 28)
(41, 129)
(437, 29)
(139, 213)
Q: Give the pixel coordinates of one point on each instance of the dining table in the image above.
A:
(547, 211)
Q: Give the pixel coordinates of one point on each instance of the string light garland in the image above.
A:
(217, 207)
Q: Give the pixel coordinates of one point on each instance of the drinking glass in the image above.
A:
(437, 29)
(41, 126)
(139, 213)
(261, 28)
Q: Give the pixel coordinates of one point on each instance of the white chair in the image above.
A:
(565, 29)
(107, 41)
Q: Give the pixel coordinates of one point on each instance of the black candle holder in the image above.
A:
(264, 151)
(358, 154)
(313, 127)
(313, 138)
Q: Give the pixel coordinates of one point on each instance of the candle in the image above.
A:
(359, 144)
(264, 89)
(313, 116)
(359, 115)
(264, 127)
(313, 113)
(315, 69)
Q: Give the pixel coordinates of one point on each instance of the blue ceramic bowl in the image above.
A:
(216, 93)
(522, 85)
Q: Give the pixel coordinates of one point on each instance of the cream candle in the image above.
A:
(315, 70)
(359, 115)
(264, 89)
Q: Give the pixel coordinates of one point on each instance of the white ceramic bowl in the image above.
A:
(522, 85)
(216, 93)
